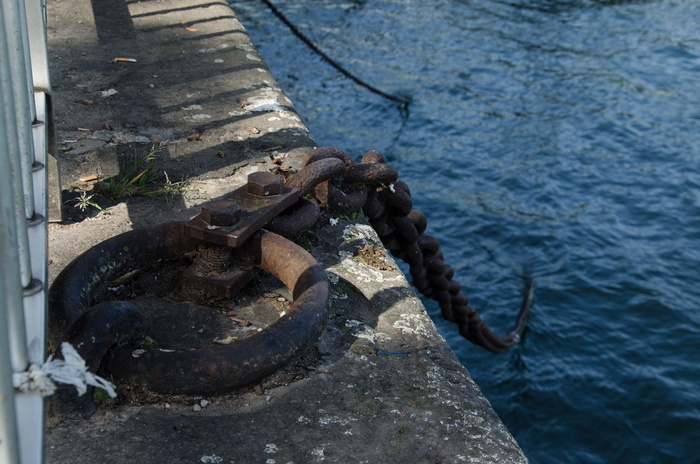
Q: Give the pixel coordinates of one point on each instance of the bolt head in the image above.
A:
(221, 213)
(264, 183)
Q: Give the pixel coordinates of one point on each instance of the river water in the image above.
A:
(557, 139)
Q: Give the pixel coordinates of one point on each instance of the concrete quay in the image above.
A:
(381, 386)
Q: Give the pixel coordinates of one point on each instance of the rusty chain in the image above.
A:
(373, 188)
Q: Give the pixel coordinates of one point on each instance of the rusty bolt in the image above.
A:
(264, 183)
(221, 213)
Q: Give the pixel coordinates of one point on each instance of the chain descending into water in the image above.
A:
(373, 187)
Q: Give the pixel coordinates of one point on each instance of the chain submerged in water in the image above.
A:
(373, 187)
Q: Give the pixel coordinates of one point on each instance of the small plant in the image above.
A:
(100, 395)
(141, 178)
(148, 342)
(84, 201)
(304, 241)
(170, 188)
(352, 216)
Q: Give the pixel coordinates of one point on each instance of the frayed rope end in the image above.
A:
(70, 370)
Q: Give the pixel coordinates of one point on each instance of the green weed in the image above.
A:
(141, 177)
(148, 342)
(100, 395)
(84, 201)
(352, 216)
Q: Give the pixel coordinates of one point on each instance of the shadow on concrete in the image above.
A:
(173, 10)
(112, 19)
(153, 95)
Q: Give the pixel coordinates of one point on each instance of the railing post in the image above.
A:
(18, 118)
(24, 120)
(9, 280)
(36, 22)
(9, 452)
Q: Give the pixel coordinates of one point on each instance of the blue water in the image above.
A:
(553, 138)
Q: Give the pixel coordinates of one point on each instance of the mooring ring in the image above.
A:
(209, 369)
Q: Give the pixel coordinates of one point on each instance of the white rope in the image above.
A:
(70, 370)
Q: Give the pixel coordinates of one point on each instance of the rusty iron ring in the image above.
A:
(84, 282)
(210, 369)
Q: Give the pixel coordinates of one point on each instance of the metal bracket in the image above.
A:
(239, 214)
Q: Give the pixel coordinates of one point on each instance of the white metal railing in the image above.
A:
(24, 122)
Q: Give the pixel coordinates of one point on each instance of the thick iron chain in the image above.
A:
(373, 187)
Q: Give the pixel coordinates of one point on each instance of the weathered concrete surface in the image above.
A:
(381, 385)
